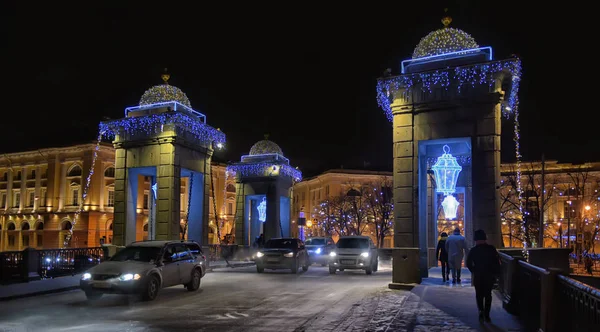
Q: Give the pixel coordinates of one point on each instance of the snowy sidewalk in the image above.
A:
(431, 306)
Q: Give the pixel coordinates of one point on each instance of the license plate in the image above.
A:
(347, 261)
(273, 260)
(101, 285)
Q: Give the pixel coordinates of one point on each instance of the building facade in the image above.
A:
(313, 195)
(41, 193)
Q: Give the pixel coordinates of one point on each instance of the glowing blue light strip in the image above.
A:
(450, 55)
(257, 156)
(173, 104)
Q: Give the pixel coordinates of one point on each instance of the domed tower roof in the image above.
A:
(265, 147)
(164, 93)
(444, 40)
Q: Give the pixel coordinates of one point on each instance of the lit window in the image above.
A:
(17, 200)
(111, 198)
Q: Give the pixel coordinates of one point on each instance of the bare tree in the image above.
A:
(357, 200)
(583, 193)
(521, 219)
(380, 207)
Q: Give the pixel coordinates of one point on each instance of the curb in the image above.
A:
(222, 266)
(51, 291)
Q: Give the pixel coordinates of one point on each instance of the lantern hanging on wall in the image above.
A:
(450, 206)
(446, 171)
(262, 210)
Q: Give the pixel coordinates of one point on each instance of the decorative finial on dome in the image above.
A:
(266, 136)
(165, 76)
(446, 20)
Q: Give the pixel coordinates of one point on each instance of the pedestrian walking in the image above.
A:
(442, 255)
(484, 263)
(456, 247)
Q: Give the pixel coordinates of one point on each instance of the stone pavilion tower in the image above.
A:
(162, 140)
(446, 107)
(264, 180)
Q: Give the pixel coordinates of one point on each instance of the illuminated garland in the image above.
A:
(86, 187)
(263, 169)
(462, 160)
(516, 139)
(265, 147)
(153, 124)
(472, 75)
(163, 93)
(443, 41)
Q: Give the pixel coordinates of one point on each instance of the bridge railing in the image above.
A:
(545, 300)
(580, 302)
(32, 264)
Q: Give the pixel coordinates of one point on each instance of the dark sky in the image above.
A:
(304, 73)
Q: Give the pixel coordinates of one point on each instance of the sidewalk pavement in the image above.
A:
(67, 283)
(433, 306)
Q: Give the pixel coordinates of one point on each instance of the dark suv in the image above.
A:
(282, 253)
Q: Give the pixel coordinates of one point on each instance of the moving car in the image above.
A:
(145, 267)
(354, 252)
(319, 249)
(282, 253)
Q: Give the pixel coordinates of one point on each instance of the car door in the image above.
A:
(186, 263)
(302, 253)
(170, 268)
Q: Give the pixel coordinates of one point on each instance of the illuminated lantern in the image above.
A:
(450, 206)
(446, 171)
(262, 210)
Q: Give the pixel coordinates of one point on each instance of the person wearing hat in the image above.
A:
(484, 263)
(456, 248)
(442, 255)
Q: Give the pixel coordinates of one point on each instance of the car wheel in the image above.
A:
(295, 267)
(369, 270)
(93, 295)
(152, 288)
(376, 265)
(260, 269)
(195, 282)
(305, 268)
(331, 270)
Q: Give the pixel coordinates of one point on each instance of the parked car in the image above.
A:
(354, 252)
(282, 253)
(145, 267)
(319, 249)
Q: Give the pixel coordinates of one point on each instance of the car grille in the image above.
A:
(104, 276)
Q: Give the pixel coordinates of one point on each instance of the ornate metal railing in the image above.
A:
(60, 262)
(580, 303)
(11, 266)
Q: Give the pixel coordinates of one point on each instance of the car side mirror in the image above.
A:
(167, 259)
(302, 247)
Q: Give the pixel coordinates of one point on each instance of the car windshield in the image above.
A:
(139, 254)
(353, 243)
(315, 242)
(281, 243)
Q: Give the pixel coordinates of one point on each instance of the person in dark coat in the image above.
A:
(442, 255)
(484, 263)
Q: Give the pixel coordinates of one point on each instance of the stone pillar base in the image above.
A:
(405, 268)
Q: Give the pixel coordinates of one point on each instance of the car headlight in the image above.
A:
(318, 251)
(332, 254)
(86, 276)
(259, 254)
(365, 254)
(130, 276)
(289, 254)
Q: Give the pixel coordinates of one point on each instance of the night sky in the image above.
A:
(303, 73)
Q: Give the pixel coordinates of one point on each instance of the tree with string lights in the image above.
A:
(380, 207)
